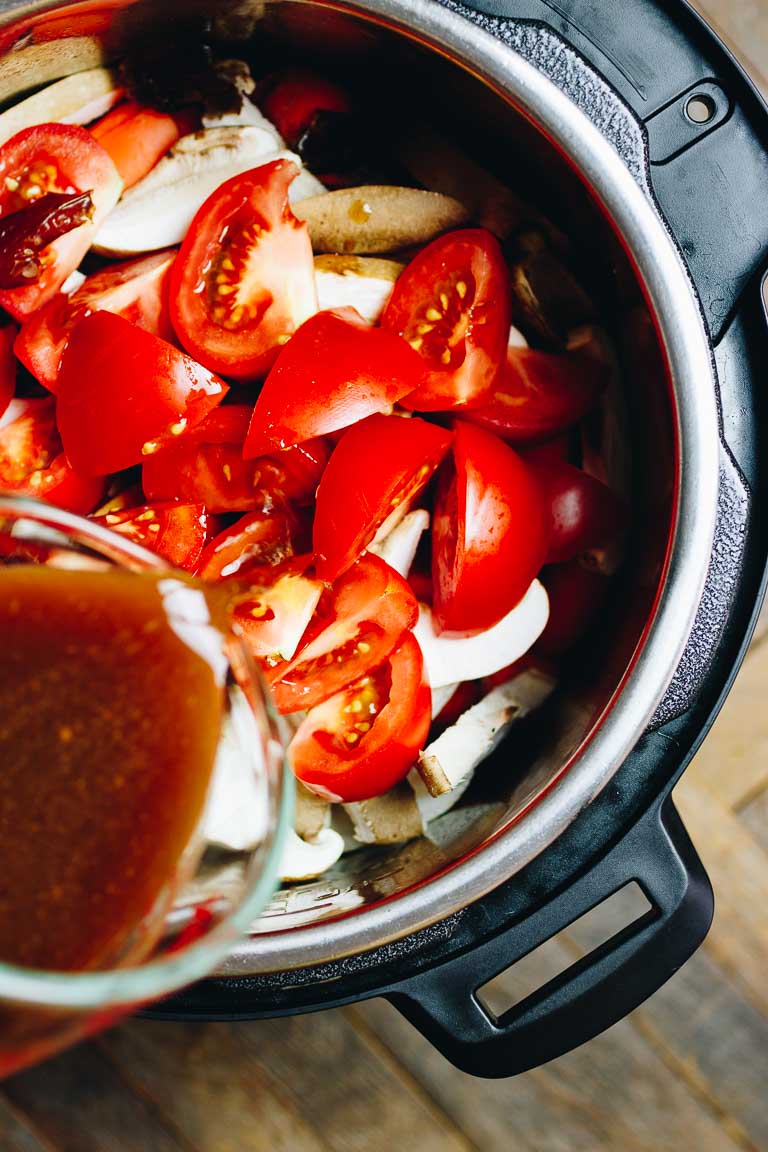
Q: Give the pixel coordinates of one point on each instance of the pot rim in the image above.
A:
(672, 299)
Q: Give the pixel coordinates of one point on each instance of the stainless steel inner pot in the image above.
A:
(425, 59)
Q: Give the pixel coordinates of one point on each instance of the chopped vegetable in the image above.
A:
(377, 218)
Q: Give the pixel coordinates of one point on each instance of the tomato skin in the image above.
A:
(33, 464)
(490, 532)
(280, 260)
(454, 300)
(377, 469)
(137, 290)
(576, 596)
(177, 532)
(7, 366)
(122, 392)
(364, 616)
(335, 371)
(291, 100)
(80, 164)
(538, 394)
(136, 137)
(385, 754)
(260, 540)
(584, 512)
(207, 465)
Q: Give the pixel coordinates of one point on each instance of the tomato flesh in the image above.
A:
(244, 280)
(260, 540)
(177, 532)
(32, 462)
(54, 158)
(123, 393)
(363, 740)
(334, 372)
(366, 613)
(274, 618)
(136, 290)
(207, 465)
(291, 101)
(391, 460)
(452, 304)
(490, 532)
(7, 366)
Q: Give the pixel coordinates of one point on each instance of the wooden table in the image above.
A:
(687, 1071)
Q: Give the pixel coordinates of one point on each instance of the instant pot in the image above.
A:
(635, 132)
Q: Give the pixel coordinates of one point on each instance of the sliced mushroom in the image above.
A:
(37, 64)
(448, 761)
(77, 99)
(156, 212)
(546, 297)
(398, 547)
(378, 218)
(362, 282)
(449, 659)
(432, 807)
(388, 819)
(312, 813)
(308, 859)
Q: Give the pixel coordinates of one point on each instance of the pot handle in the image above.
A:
(702, 118)
(593, 993)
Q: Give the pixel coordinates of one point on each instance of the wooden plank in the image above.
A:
(78, 1103)
(15, 1136)
(743, 24)
(210, 1087)
(351, 1091)
(733, 761)
(738, 868)
(754, 816)
(614, 1093)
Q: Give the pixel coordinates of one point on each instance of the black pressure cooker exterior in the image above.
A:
(710, 180)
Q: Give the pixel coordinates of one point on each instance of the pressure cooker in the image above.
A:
(642, 140)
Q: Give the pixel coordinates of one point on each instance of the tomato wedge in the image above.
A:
(245, 277)
(274, 619)
(54, 158)
(335, 371)
(291, 100)
(177, 532)
(123, 392)
(356, 627)
(538, 394)
(576, 596)
(258, 541)
(207, 465)
(584, 513)
(136, 290)
(7, 366)
(452, 304)
(32, 462)
(363, 740)
(490, 532)
(376, 471)
(136, 137)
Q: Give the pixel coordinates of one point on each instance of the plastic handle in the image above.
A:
(594, 993)
(708, 175)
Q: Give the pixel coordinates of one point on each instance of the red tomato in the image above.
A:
(576, 596)
(274, 619)
(207, 465)
(260, 540)
(33, 464)
(452, 304)
(537, 395)
(136, 290)
(335, 371)
(291, 101)
(362, 741)
(123, 392)
(490, 532)
(177, 532)
(584, 513)
(54, 158)
(244, 279)
(367, 611)
(559, 448)
(7, 366)
(136, 137)
(391, 460)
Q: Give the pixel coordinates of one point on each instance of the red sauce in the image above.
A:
(109, 724)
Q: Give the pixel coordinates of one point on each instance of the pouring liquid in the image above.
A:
(111, 707)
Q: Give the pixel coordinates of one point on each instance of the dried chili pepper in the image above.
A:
(25, 233)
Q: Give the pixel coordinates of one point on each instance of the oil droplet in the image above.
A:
(360, 212)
